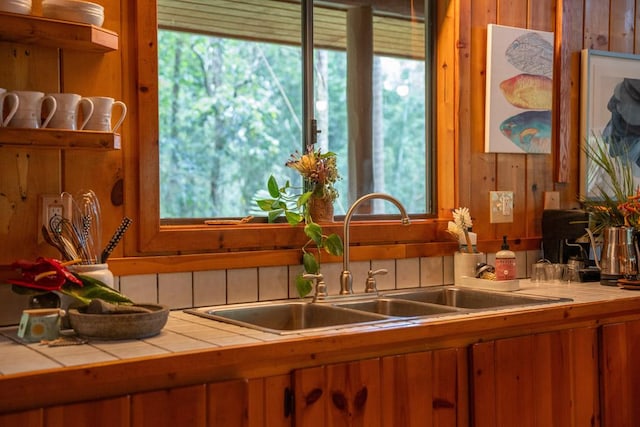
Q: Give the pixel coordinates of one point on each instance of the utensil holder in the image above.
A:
(464, 265)
(96, 271)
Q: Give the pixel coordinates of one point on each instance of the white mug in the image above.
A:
(101, 117)
(66, 114)
(29, 112)
(4, 121)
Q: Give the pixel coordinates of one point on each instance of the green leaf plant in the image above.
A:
(293, 203)
(616, 196)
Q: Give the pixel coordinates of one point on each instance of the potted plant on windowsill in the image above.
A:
(312, 204)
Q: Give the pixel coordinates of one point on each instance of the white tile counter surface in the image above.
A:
(185, 332)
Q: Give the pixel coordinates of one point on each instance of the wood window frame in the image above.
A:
(424, 237)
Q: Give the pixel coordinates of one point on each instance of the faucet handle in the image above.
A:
(370, 286)
(321, 288)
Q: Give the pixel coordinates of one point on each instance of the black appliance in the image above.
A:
(563, 234)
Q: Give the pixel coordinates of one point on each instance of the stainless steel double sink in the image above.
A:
(292, 316)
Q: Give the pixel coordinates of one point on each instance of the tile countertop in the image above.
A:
(185, 332)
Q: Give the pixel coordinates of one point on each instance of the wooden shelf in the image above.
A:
(32, 29)
(60, 139)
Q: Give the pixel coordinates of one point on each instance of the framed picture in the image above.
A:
(519, 90)
(609, 116)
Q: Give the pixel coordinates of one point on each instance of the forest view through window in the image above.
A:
(230, 110)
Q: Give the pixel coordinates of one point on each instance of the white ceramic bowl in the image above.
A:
(23, 7)
(77, 4)
(74, 10)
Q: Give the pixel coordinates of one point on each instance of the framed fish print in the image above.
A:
(519, 90)
(609, 116)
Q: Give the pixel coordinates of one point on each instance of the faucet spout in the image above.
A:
(346, 279)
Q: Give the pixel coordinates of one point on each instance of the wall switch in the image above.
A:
(50, 206)
(501, 206)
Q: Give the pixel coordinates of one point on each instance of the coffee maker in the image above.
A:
(564, 235)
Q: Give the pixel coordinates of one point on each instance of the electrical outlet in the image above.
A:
(501, 206)
(50, 206)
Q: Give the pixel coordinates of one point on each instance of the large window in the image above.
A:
(230, 104)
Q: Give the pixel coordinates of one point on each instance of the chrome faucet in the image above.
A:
(346, 279)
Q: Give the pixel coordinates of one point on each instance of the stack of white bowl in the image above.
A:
(22, 7)
(73, 10)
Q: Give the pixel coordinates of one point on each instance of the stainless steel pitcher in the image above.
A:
(619, 254)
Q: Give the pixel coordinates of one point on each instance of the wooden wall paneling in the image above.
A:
(97, 74)
(621, 25)
(26, 67)
(21, 230)
(538, 169)
(181, 406)
(482, 170)
(511, 168)
(596, 24)
(463, 142)
(29, 67)
(447, 119)
(130, 36)
(99, 413)
(569, 40)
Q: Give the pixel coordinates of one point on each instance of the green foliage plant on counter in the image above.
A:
(617, 196)
(319, 173)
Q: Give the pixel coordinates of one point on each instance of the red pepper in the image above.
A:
(33, 277)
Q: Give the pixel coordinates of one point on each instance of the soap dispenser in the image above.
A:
(505, 262)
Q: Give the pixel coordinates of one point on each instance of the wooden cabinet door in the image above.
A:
(620, 368)
(344, 394)
(181, 406)
(417, 389)
(31, 418)
(425, 389)
(259, 402)
(549, 379)
(98, 413)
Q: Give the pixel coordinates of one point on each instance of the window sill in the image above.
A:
(422, 238)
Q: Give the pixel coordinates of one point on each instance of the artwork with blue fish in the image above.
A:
(519, 95)
(529, 130)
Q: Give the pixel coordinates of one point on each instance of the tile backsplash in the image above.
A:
(217, 287)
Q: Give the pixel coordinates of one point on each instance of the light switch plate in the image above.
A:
(500, 206)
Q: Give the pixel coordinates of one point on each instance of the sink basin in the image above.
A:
(399, 307)
(471, 298)
(288, 317)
